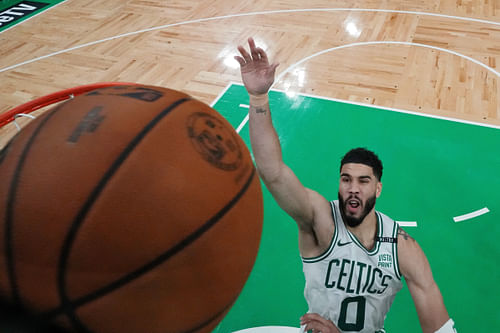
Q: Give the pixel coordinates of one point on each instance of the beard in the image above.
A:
(355, 221)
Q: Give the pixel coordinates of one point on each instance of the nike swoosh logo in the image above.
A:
(343, 244)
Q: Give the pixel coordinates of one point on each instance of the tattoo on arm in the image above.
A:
(259, 109)
(404, 234)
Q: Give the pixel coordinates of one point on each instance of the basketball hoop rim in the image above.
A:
(53, 98)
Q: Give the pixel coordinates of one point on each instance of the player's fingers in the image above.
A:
(316, 327)
(244, 54)
(262, 55)
(240, 60)
(255, 54)
(251, 43)
(253, 49)
(318, 323)
(314, 317)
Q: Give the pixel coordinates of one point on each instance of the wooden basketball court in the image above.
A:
(436, 57)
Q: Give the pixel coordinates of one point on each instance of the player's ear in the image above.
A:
(379, 189)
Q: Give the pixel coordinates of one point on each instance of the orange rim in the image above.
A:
(53, 98)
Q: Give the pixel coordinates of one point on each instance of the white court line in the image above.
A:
(456, 120)
(386, 42)
(284, 11)
(401, 223)
(220, 95)
(242, 124)
(291, 67)
(471, 215)
(407, 223)
(245, 120)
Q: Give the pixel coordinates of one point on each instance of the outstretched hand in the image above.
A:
(256, 72)
(317, 324)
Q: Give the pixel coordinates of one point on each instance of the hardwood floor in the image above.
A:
(438, 57)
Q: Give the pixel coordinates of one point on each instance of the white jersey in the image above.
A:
(350, 285)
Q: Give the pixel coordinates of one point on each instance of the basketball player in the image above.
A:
(353, 256)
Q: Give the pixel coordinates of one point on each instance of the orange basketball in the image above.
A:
(128, 209)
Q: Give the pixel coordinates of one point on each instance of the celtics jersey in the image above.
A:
(350, 285)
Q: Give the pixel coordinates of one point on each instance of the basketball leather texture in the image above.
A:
(128, 209)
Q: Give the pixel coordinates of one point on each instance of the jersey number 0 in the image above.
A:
(360, 303)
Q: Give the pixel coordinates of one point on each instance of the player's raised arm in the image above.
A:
(428, 300)
(300, 203)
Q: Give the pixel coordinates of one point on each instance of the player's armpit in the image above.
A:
(316, 240)
(309, 209)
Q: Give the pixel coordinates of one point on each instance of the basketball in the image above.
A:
(128, 209)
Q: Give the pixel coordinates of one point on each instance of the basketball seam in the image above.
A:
(160, 259)
(67, 306)
(211, 319)
(9, 212)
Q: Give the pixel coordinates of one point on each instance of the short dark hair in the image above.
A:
(366, 157)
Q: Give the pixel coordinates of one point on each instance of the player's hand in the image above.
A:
(315, 322)
(256, 72)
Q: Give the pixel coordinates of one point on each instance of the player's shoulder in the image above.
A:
(409, 251)
(404, 237)
(413, 262)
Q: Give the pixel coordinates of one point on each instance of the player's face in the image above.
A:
(358, 192)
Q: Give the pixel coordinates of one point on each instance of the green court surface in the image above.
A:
(13, 12)
(434, 170)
